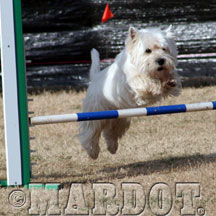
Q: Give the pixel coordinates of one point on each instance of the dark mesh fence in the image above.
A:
(59, 35)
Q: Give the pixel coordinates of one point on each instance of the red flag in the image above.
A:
(107, 14)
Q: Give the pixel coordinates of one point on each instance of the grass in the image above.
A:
(169, 148)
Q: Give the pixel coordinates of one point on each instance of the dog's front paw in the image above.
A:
(171, 83)
(140, 102)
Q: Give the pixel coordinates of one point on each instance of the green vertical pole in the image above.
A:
(22, 93)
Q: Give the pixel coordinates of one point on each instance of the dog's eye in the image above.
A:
(164, 49)
(148, 51)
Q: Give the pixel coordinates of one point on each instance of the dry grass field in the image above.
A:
(169, 149)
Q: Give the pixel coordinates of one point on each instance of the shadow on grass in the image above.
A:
(165, 165)
(161, 165)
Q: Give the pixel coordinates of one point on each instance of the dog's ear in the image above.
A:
(132, 38)
(132, 33)
(169, 32)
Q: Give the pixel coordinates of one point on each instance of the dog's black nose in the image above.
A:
(160, 61)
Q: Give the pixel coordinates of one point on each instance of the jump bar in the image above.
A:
(113, 114)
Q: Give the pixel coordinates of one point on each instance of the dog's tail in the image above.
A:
(95, 66)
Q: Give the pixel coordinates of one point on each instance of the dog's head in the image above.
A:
(154, 52)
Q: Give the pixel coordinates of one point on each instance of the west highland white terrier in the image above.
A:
(142, 73)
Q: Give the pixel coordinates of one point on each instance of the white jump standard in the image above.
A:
(14, 94)
(112, 114)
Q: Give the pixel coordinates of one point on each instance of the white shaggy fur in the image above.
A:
(142, 73)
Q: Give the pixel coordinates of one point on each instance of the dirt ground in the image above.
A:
(166, 150)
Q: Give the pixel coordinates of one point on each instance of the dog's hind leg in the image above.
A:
(89, 137)
(111, 139)
(113, 131)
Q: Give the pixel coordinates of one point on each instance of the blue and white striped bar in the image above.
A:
(113, 114)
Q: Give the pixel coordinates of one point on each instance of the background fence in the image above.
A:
(59, 35)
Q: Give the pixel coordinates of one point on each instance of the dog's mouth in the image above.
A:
(160, 68)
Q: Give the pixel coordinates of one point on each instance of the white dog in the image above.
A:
(142, 73)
